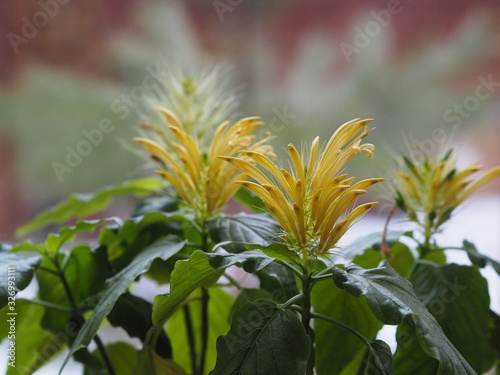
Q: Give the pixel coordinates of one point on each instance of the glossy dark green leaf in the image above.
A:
(133, 314)
(379, 360)
(335, 347)
(163, 248)
(16, 273)
(81, 205)
(246, 295)
(156, 204)
(219, 304)
(410, 358)
(124, 243)
(263, 339)
(478, 259)
(54, 241)
(251, 261)
(278, 251)
(458, 298)
(201, 269)
(392, 299)
(278, 281)
(248, 229)
(186, 277)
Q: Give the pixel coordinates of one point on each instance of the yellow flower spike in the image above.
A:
(311, 203)
(203, 180)
(430, 190)
(344, 226)
(175, 183)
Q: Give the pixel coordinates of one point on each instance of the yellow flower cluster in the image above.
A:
(204, 181)
(312, 202)
(429, 191)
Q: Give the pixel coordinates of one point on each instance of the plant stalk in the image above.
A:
(81, 320)
(306, 317)
(190, 336)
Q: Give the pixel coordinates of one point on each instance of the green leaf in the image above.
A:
(401, 258)
(392, 299)
(250, 200)
(278, 251)
(163, 248)
(156, 204)
(251, 261)
(186, 277)
(246, 229)
(370, 241)
(54, 241)
(410, 358)
(246, 295)
(458, 298)
(122, 356)
(379, 361)
(16, 273)
(218, 310)
(81, 205)
(335, 303)
(84, 271)
(263, 339)
(137, 321)
(278, 281)
(124, 243)
(150, 363)
(34, 346)
(478, 259)
(201, 269)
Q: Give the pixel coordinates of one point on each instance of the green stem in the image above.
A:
(343, 326)
(79, 318)
(205, 243)
(322, 277)
(204, 328)
(51, 305)
(291, 268)
(306, 317)
(232, 281)
(190, 336)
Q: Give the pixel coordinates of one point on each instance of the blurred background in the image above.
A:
(75, 73)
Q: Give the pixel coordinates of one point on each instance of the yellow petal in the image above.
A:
(487, 177)
(171, 118)
(175, 183)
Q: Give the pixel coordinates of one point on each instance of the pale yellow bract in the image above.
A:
(431, 190)
(312, 202)
(204, 181)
